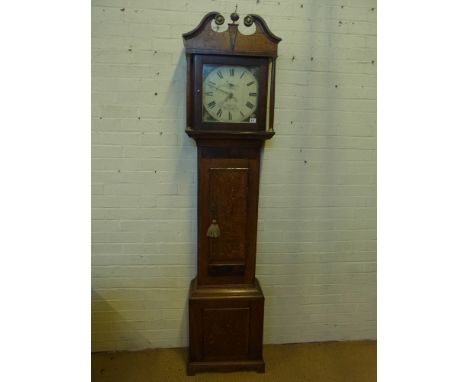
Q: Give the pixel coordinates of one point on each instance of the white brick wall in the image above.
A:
(317, 216)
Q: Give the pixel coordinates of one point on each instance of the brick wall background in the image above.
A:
(316, 244)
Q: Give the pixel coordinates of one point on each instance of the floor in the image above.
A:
(315, 362)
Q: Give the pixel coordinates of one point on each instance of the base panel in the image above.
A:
(226, 328)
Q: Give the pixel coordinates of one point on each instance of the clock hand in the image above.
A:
(230, 96)
(221, 90)
(223, 102)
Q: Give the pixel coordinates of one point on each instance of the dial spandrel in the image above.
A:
(230, 93)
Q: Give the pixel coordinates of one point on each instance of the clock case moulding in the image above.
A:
(226, 301)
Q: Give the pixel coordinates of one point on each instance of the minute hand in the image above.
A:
(221, 90)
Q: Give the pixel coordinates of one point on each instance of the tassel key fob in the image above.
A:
(213, 230)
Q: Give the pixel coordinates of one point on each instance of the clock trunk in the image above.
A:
(228, 181)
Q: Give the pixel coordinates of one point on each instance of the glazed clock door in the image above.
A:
(230, 93)
(228, 189)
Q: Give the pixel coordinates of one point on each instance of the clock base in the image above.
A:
(224, 367)
(226, 328)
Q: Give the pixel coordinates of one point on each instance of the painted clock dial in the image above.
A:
(230, 93)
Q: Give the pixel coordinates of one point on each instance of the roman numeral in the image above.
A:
(211, 83)
(250, 83)
(242, 75)
(230, 116)
(220, 75)
(219, 113)
(212, 104)
(231, 72)
(252, 94)
(249, 105)
(243, 115)
(209, 94)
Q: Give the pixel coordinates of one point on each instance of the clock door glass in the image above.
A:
(230, 93)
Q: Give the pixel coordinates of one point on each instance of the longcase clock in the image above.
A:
(230, 104)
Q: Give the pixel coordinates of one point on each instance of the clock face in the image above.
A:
(230, 93)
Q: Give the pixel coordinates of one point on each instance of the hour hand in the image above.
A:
(230, 96)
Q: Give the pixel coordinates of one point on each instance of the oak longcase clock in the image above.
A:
(230, 104)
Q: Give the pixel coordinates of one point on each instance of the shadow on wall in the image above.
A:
(110, 330)
(185, 173)
(187, 149)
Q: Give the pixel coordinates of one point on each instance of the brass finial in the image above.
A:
(234, 15)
